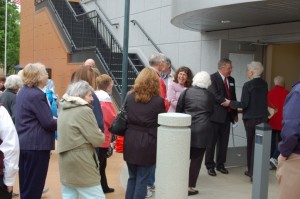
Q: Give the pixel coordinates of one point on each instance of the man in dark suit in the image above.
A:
(222, 87)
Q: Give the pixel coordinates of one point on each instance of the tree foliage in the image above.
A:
(13, 35)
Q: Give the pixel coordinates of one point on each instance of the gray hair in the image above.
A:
(79, 89)
(256, 67)
(223, 62)
(156, 58)
(13, 82)
(202, 80)
(279, 80)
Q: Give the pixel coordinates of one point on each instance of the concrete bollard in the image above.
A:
(261, 161)
(173, 156)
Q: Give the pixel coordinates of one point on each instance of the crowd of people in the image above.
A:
(31, 114)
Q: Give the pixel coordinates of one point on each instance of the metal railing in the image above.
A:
(146, 35)
(135, 22)
(88, 31)
(106, 17)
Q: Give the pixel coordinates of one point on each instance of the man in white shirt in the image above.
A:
(9, 154)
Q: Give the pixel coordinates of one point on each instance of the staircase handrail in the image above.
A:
(112, 42)
(135, 22)
(60, 20)
(106, 17)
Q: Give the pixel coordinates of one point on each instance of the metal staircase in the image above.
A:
(86, 31)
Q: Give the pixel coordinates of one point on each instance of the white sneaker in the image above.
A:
(149, 193)
(151, 188)
(274, 162)
(45, 190)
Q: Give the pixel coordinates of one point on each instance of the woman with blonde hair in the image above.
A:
(35, 126)
(143, 104)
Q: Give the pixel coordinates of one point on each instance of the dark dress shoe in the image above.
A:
(247, 174)
(109, 190)
(194, 192)
(211, 172)
(223, 170)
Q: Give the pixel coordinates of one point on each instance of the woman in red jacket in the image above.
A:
(276, 98)
(104, 86)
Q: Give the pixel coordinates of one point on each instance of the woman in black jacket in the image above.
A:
(197, 102)
(254, 102)
(143, 104)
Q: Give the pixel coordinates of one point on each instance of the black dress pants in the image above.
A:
(218, 139)
(33, 168)
(196, 156)
(103, 162)
(250, 134)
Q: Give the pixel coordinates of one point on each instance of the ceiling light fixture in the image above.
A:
(225, 21)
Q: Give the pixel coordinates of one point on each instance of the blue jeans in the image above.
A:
(137, 181)
(94, 192)
(151, 179)
(274, 143)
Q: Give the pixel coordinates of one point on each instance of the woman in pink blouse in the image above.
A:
(183, 79)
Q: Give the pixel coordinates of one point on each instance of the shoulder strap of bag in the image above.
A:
(123, 104)
(183, 100)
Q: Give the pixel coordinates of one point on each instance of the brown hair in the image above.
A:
(189, 73)
(2, 78)
(33, 74)
(86, 74)
(103, 82)
(146, 85)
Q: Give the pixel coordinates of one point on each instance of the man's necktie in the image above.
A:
(227, 91)
(227, 88)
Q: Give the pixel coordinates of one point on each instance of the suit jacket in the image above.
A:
(217, 88)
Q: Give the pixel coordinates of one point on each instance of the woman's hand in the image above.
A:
(10, 189)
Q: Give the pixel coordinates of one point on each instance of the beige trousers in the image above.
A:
(288, 177)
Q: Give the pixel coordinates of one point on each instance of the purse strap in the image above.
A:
(183, 100)
(123, 104)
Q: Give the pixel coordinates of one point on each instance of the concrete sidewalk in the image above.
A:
(235, 185)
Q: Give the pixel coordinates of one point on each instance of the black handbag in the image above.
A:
(119, 125)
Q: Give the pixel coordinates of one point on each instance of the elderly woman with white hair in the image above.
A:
(254, 103)
(8, 98)
(78, 137)
(198, 102)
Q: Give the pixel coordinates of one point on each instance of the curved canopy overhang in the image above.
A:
(209, 15)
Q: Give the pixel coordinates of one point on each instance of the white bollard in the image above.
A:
(173, 156)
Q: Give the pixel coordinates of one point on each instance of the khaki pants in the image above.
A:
(288, 177)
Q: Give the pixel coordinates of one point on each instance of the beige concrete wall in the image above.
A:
(40, 42)
(285, 61)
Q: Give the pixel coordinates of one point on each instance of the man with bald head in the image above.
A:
(90, 63)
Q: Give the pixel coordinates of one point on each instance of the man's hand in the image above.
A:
(10, 189)
(282, 157)
(226, 103)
